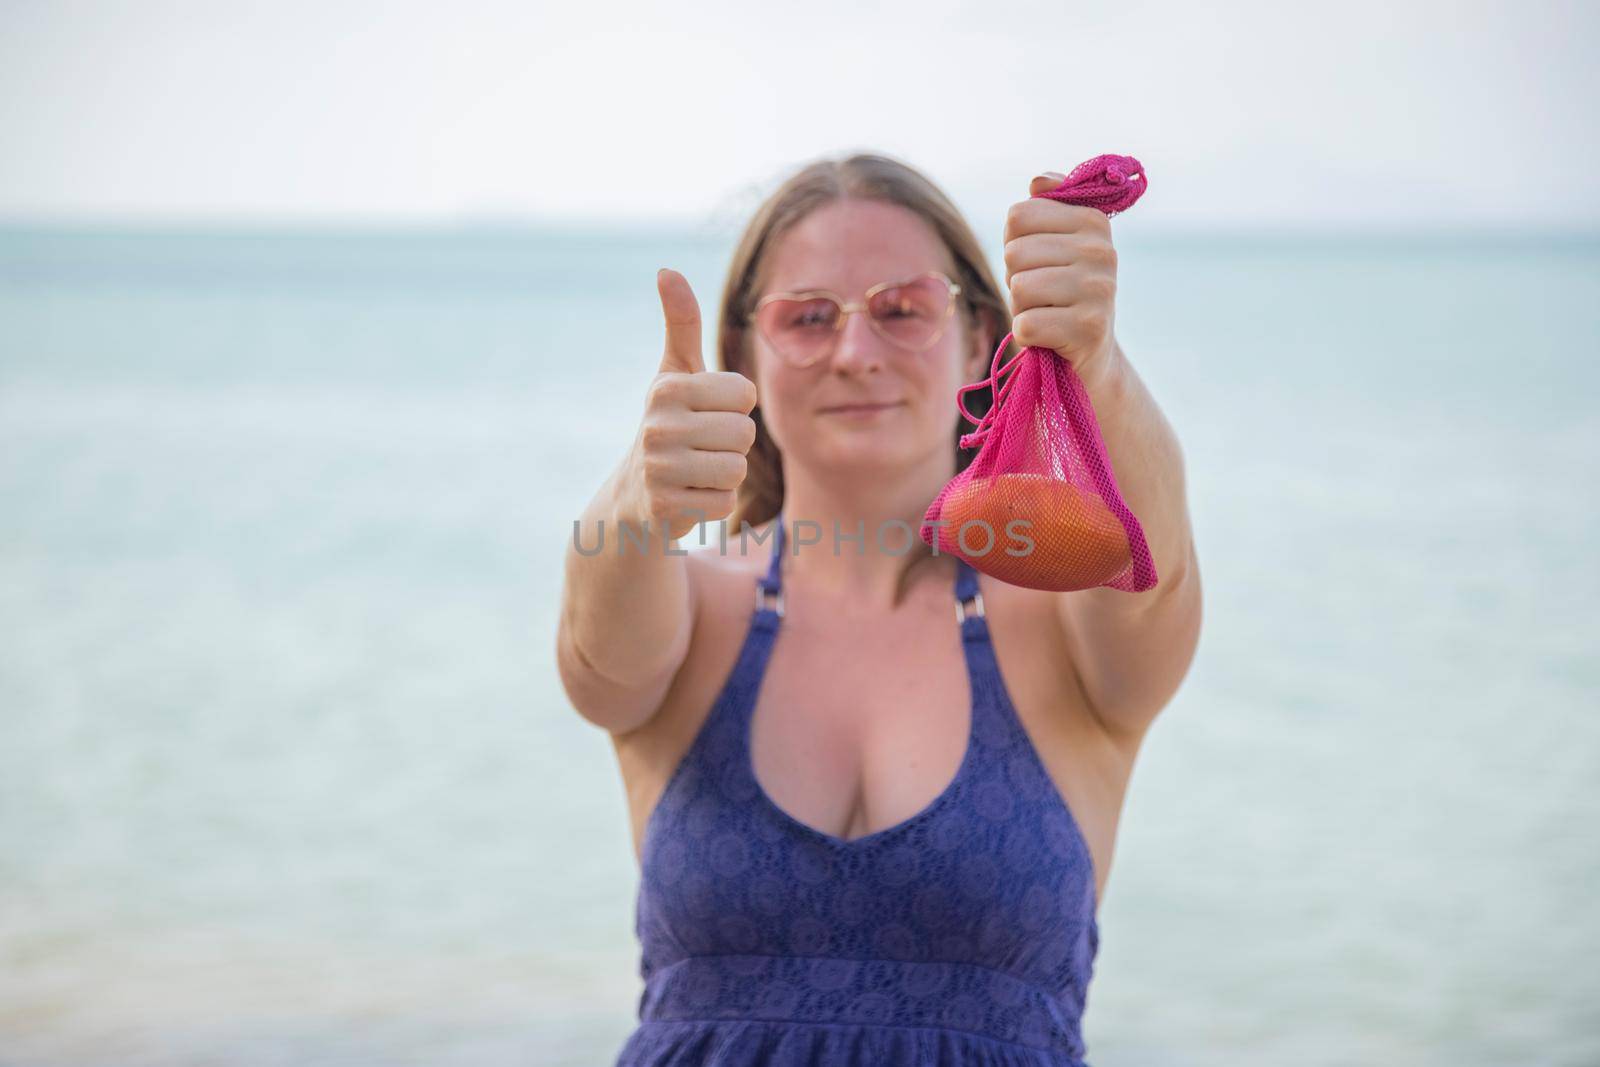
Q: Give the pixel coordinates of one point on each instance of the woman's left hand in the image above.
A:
(1062, 272)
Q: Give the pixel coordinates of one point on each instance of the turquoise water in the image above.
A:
(286, 774)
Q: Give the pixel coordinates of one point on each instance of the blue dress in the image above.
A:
(965, 935)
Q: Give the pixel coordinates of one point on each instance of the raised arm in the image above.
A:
(1133, 650)
(627, 605)
(1130, 650)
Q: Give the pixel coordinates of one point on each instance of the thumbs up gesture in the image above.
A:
(689, 455)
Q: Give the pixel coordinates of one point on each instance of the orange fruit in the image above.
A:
(1078, 541)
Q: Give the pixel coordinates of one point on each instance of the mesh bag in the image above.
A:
(1041, 458)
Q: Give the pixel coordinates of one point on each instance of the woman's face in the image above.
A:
(846, 247)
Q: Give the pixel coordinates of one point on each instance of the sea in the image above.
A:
(287, 775)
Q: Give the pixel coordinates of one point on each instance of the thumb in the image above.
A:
(1045, 182)
(682, 313)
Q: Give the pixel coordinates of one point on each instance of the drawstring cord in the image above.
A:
(1001, 388)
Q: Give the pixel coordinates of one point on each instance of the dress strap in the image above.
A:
(966, 580)
(769, 587)
(969, 600)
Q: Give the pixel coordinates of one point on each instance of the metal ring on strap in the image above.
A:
(977, 607)
(762, 595)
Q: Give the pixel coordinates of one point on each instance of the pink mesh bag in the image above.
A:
(1041, 458)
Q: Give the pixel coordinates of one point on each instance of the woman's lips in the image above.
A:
(859, 409)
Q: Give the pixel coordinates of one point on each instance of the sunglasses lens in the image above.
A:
(799, 329)
(911, 315)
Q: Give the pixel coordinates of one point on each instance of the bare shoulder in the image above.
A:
(734, 555)
(722, 571)
(1038, 663)
(1024, 621)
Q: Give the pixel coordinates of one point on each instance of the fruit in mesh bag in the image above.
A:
(1077, 541)
(1041, 461)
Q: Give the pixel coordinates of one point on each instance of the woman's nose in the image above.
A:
(858, 347)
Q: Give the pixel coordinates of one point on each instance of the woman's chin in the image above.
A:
(863, 451)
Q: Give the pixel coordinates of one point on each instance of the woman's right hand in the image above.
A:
(689, 454)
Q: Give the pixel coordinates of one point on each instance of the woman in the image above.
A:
(874, 794)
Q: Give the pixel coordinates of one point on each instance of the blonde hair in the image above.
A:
(862, 176)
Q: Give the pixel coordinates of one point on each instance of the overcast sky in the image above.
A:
(1245, 113)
